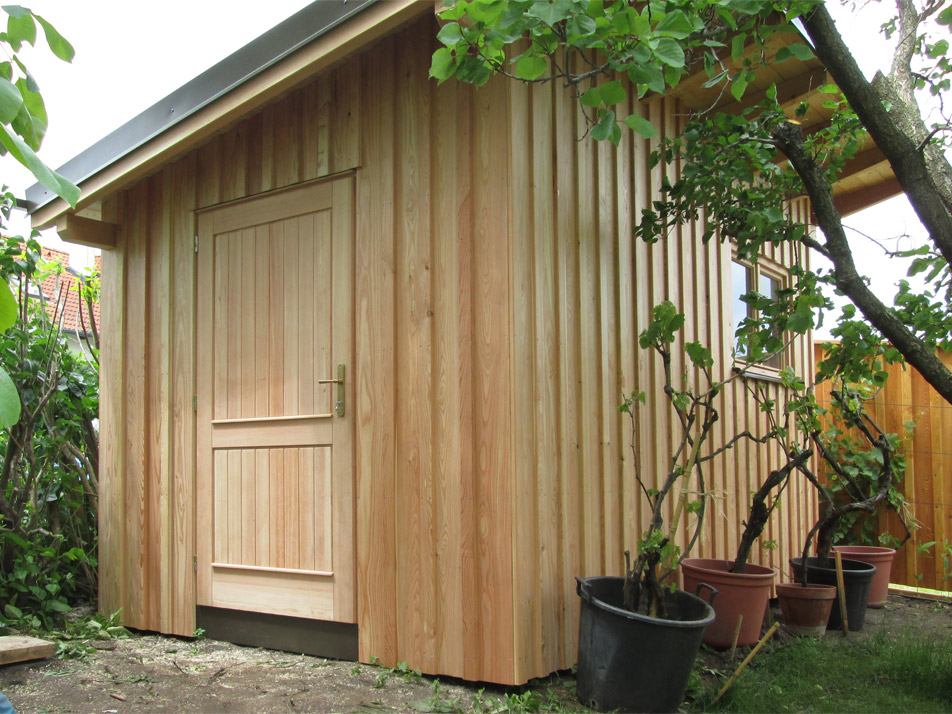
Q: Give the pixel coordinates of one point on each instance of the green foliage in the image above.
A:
(653, 44)
(23, 117)
(48, 458)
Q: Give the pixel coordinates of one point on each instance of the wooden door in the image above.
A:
(275, 508)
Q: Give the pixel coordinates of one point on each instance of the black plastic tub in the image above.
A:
(635, 663)
(857, 580)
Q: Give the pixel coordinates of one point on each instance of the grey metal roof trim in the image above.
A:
(284, 39)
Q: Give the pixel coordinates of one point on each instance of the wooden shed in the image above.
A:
(364, 338)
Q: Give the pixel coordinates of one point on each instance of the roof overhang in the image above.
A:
(308, 42)
(866, 179)
(326, 32)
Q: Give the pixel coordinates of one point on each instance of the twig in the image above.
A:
(746, 662)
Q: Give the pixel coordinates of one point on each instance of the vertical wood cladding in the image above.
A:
(498, 298)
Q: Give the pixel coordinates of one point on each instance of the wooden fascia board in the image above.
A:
(337, 44)
(86, 231)
(854, 201)
(862, 161)
(790, 93)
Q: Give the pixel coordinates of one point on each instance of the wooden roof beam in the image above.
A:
(790, 93)
(854, 201)
(86, 231)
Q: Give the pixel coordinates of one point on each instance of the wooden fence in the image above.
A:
(927, 485)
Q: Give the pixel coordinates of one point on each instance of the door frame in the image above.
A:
(342, 189)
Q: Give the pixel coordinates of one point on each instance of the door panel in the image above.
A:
(275, 482)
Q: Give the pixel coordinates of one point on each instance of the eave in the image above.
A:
(309, 42)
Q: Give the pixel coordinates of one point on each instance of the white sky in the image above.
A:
(130, 54)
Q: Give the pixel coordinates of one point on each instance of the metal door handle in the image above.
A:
(339, 406)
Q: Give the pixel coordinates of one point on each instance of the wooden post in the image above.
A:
(842, 590)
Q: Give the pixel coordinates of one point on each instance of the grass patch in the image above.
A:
(910, 672)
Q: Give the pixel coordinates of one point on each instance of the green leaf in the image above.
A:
(613, 93)
(59, 606)
(16, 10)
(9, 401)
(8, 308)
(10, 101)
(443, 64)
(592, 97)
(604, 129)
(529, 67)
(550, 12)
(581, 26)
(450, 34)
(945, 17)
(62, 187)
(801, 52)
(675, 24)
(737, 46)
(20, 28)
(641, 125)
(13, 612)
(699, 354)
(61, 48)
(670, 52)
(738, 87)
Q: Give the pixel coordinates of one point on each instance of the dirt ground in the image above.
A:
(149, 673)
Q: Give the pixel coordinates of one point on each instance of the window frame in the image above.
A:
(764, 267)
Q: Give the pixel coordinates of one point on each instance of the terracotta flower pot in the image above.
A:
(738, 594)
(882, 558)
(806, 609)
(857, 577)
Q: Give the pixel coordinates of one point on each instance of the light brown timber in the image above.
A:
(498, 295)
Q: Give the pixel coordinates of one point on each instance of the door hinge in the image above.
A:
(195, 563)
(196, 243)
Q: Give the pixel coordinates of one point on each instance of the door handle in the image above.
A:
(339, 405)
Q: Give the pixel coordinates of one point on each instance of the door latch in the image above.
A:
(339, 404)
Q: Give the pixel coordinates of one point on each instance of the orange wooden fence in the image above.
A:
(927, 485)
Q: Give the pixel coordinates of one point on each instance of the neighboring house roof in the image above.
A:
(325, 32)
(62, 297)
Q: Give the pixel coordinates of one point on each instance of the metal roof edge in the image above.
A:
(302, 28)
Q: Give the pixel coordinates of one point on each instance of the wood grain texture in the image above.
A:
(375, 397)
(907, 397)
(498, 295)
(112, 538)
(577, 308)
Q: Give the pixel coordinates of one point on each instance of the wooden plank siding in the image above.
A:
(927, 483)
(498, 297)
(582, 290)
(148, 372)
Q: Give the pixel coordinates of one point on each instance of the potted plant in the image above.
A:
(638, 635)
(862, 464)
(744, 589)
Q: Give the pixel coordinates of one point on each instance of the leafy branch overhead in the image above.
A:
(740, 169)
(590, 46)
(23, 118)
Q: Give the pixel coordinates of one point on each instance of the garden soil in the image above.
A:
(149, 673)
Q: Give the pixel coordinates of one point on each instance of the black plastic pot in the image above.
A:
(857, 579)
(632, 662)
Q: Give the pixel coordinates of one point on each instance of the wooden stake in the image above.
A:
(842, 590)
(740, 621)
(746, 661)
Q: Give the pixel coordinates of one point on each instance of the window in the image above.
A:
(760, 278)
